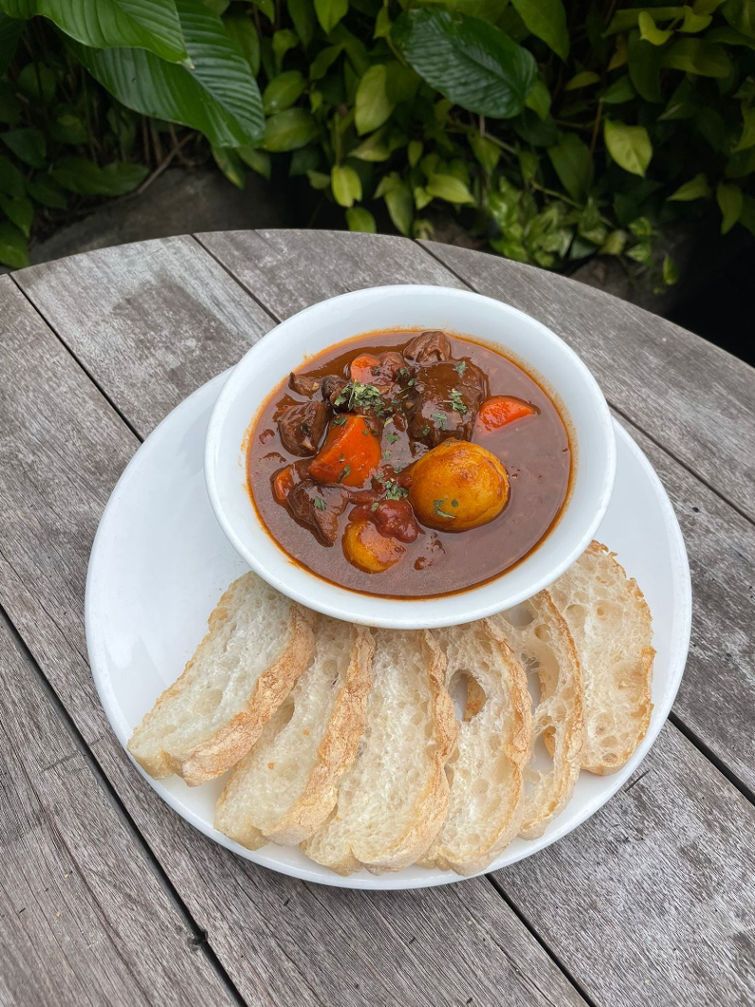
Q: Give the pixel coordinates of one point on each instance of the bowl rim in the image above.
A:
(402, 613)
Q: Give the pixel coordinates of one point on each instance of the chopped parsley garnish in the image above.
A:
(454, 503)
(320, 504)
(441, 419)
(374, 506)
(461, 367)
(345, 473)
(457, 402)
(391, 437)
(356, 395)
(393, 491)
(338, 421)
(403, 372)
(425, 430)
(411, 382)
(438, 508)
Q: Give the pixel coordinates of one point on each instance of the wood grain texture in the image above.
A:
(157, 316)
(651, 902)
(84, 918)
(278, 267)
(692, 397)
(318, 953)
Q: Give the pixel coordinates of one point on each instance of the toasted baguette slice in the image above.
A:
(541, 640)
(394, 798)
(286, 786)
(613, 631)
(485, 772)
(257, 645)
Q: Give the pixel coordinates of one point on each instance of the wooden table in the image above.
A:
(107, 896)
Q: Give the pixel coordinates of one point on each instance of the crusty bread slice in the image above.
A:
(394, 798)
(541, 640)
(485, 772)
(613, 631)
(257, 645)
(286, 786)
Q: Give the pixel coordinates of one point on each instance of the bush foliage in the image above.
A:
(556, 131)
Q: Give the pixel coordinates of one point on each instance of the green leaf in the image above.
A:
(19, 211)
(67, 127)
(741, 164)
(695, 55)
(10, 106)
(43, 190)
(288, 130)
(486, 152)
(28, 145)
(694, 22)
(373, 105)
(257, 160)
(614, 243)
(267, 7)
(318, 180)
(629, 146)
(747, 139)
(400, 207)
(230, 164)
(324, 60)
(414, 152)
(619, 91)
(303, 19)
(11, 180)
(359, 219)
(583, 79)
(373, 148)
(382, 24)
(572, 162)
(346, 184)
(729, 199)
(471, 63)
(669, 271)
(282, 91)
(629, 17)
(695, 188)
(140, 24)
(10, 33)
(330, 12)
(650, 31)
(240, 28)
(449, 188)
(86, 178)
(644, 65)
(741, 16)
(14, 251)
(547, 20)
(283, 41)
(539, 99)
(747, 216)
(215, 93)
(37, 81)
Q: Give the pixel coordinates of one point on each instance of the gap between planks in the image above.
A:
(200, 936)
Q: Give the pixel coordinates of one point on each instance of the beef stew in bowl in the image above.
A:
(409, 464)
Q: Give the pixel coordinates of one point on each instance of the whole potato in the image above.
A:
(457, 486)
(365, 548)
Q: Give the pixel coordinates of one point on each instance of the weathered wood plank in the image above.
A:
(652, 902)
(278, 267)
(692, 397)
(83, 916)
(318, 951)
(157, 315)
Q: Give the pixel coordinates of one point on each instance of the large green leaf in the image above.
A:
(215, 93)
(14, 251)
(572, 162)
(27, 144)
(10, 33)
(289, 130)
(629, 146)
(330, 12)
(77, 174)
(547, 20)
(472, 63)
(139, 24)
(730, 201)
(372, 106)
(696, 55)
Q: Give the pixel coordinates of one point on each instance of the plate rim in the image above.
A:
(390, 882)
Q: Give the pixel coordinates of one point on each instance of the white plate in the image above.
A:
(160, 561)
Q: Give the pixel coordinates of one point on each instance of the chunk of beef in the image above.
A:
(303, 384)
(428, 348)
(331, 387)
(446, 402)
(301, 427)
(318, 508)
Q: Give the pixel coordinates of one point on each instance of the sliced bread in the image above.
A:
(257, 645)
(393, 799)
(540, 639)
(485, 772)
(286, 786)
(612, 628)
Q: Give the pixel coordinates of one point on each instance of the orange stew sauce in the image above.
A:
(333, 464)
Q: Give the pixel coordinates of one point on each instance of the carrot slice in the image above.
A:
(361, 368)
(350, 454)
(499, 410)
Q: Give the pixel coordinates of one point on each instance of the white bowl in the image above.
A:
(541, 352)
